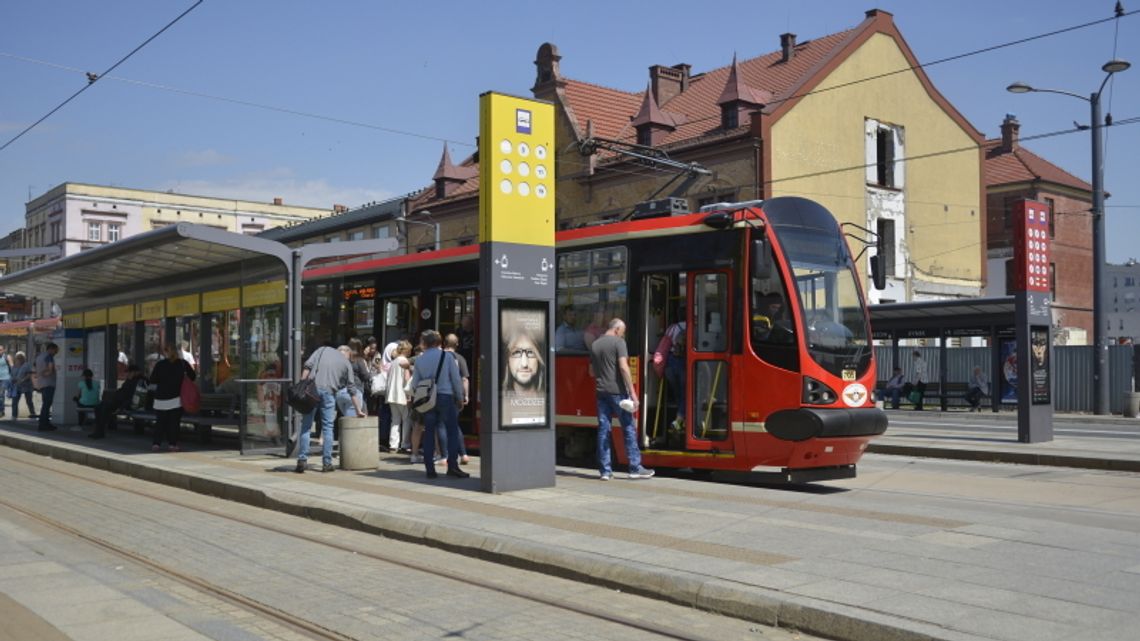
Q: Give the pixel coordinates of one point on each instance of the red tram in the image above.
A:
(769, 374)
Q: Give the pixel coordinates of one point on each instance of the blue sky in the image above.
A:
(419, 68)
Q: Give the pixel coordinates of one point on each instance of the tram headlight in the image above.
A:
(816, 393)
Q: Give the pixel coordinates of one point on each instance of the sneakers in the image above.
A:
(416, 459)
(325, 469)
(431, 474)
(643, 473)
(300, 469)
(606, 477)
(458, 473)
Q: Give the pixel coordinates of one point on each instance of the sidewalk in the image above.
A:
(864, 564)
(1121, 455)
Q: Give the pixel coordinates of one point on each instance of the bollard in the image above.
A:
(1132, 404)
(359, 443)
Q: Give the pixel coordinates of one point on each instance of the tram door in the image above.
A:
(455, 313)
(661, 371)
(707, 363)
(400, 319)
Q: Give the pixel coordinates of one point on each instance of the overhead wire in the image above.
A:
(92, 78)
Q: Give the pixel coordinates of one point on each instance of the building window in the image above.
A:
(1052, 219)
(644, 137)
(380, 231)
(333, 239)
(1053, 280)
(729, 116)
(95, 232)
(885, 227)
(356, 235)
(884, 154)
(1009, 276)
(55, 232)
(113, 232)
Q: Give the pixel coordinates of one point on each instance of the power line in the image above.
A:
(92, 78)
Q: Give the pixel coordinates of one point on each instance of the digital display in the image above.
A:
(524, 381)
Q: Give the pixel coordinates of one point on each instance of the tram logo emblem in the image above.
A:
(854, 395)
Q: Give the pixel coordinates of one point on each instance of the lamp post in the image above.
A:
(1100, 372)
(404, 219)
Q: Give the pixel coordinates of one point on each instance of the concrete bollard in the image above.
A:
(1131, 404)
(359, 443)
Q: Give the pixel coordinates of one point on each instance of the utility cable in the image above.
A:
(92, 78)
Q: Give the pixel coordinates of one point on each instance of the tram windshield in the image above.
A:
(834, 317)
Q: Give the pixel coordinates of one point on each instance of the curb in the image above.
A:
(711, 594)
(1005, 456)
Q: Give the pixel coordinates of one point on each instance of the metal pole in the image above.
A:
(1100, 373)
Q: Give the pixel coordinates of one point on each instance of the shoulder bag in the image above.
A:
(423, 396)
(303, 396)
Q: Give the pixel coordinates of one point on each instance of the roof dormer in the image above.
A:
(738, 99)
(651, 123)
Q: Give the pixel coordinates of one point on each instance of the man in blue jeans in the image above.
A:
(330, 371)
(45, 383)
(613, 386)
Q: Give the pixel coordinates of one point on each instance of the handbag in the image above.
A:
(423, 396)
(379, 383)
(914, 397)
(190, 396)
(303, 396)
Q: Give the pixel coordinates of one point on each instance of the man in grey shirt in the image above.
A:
(330, 371)
(613, 387)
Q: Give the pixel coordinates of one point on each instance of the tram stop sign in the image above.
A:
(516, 284)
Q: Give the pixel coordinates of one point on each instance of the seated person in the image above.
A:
(567, 336)
(120, 399)
(894, 387)
(979, 388)
(88, 396)
(769, 324)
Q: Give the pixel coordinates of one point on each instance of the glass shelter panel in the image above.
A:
(262, 376)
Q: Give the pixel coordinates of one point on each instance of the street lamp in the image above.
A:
(404, 219)
(1100, 372)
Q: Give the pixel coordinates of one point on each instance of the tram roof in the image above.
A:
(962, 313)
(153, 263)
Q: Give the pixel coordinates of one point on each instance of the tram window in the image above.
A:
(591, 290)
(400, 318)
(711, 313)
(773, 332)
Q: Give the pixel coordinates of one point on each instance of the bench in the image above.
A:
(215, 410)
(955, 394)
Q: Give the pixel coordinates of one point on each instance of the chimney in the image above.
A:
(1009, 130)
(787, 46)
(667, 82)
(339, 209)
(278, 201)
(548, 78)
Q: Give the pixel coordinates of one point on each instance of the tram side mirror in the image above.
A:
(878, 276)
(761, 260)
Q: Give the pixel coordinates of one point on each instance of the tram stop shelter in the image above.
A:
(231, 302)
(990, 318)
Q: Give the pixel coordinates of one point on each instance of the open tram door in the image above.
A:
(686, 369)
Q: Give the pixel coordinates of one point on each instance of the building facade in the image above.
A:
(825, 119)
(1123, 285)
(1013, 173)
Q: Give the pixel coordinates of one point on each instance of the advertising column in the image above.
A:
(516, 279)
(1034, 320)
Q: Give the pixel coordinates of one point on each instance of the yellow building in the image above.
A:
(847, 119)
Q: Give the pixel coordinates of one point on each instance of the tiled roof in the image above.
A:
(611, 110)
(468, 170)
(735, 89)
(1022, 165)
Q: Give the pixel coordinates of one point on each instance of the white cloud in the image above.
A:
(202, 158)
(280, 183)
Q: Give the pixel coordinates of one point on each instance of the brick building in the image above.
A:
(1012, 172)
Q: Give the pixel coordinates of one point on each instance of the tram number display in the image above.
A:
(524, 388)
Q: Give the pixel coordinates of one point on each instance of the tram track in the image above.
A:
(280, 616)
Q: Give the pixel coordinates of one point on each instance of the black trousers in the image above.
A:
(166, 425)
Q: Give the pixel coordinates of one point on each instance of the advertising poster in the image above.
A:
(1009, 371)
(523, 392)
(1039, 366)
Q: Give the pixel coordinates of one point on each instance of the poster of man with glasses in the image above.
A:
(524, 385)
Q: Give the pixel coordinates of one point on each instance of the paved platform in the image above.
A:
(872, 558)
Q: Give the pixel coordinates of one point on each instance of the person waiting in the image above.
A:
(89, 395)
(567, 336)
(894, 387)
(979, 388)
(120, 399)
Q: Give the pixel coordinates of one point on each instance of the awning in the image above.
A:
(977, 313)
(159, 262)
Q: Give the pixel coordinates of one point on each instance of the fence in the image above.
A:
(1072, 371)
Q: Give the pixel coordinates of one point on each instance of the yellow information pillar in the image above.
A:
(517, 279)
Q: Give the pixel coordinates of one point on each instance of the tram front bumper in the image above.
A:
(809, 422)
